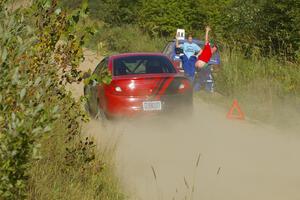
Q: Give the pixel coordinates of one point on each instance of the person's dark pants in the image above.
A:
(188, 65)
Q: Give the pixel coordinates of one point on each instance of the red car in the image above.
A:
(141, 83)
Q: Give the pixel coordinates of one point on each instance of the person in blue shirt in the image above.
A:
(190, 49)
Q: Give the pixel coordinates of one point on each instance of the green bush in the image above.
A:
(58, 175)
(127, 38)
(40, 50)
(163, 17)
(270, 27)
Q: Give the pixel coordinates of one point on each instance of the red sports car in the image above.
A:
(141, 83)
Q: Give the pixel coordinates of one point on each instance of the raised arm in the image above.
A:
(207, 34)
(177, 43)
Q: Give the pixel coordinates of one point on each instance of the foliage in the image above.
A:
(161, 16)
(55, 177)
(112, 12)
(239, 74)
(254, 27)
(117, 12)
(105, 77)
(272, 27)
(164, 17)
(127, 38)
(40, 50)
(267, 89)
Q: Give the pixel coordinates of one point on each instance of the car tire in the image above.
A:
(100, 115)
(88, 108)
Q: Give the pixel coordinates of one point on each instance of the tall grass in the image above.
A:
(52, 177)
(241, 74)
(268, 88)
(123, 39)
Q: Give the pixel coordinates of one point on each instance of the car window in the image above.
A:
(198, 42)
(102, 65)
(98, 68)
(142, 65)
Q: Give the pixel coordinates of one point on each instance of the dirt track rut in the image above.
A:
(239, 160)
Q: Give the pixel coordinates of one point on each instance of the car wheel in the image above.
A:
(87, 107)
(100, 114)
(87, 104)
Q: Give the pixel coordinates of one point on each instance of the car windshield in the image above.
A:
(142, 65)
(198, 42)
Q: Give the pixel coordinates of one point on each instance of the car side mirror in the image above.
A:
(86, 75)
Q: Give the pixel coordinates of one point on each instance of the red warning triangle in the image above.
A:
(235, 106)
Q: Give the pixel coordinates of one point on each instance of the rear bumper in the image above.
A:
(124, 106)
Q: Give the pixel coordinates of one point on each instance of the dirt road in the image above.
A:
(157, 158)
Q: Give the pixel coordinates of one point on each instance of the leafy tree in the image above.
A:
(189, 14)
(270, 26)
(164, 17)
(112, 12)
(256, 27)
(40, 50)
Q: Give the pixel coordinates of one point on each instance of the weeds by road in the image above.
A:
(268, 89)
(56, 177)
(43, 153)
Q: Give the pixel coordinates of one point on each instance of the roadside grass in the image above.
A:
(123, 39)
(267, 89)
(53, 177)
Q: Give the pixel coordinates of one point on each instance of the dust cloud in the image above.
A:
(156, 158)
(201, 156)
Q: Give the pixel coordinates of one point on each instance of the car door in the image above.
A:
(93, 88)
(101, 86)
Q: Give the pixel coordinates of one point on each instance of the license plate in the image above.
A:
(151, 105)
